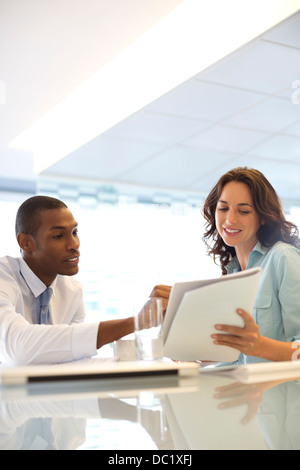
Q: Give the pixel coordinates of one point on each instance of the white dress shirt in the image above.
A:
(22, 342)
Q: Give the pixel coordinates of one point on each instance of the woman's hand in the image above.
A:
(247, 339)
(238, 394)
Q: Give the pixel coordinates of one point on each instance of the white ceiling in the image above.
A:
(241, 111)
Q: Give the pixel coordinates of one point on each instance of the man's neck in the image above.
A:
(47, 279)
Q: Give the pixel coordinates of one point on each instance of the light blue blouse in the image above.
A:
(277, 305)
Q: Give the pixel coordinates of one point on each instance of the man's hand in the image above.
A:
(112, 330)
(164, 293)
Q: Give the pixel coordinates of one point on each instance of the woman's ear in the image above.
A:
(26, 242)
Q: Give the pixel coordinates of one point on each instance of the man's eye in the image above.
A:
(58, 237)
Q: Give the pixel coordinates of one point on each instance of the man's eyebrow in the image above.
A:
(61, 227)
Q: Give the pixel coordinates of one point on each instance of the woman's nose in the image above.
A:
(231, 217)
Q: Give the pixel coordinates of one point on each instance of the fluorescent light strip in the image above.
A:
(2, 92)
(192, 37)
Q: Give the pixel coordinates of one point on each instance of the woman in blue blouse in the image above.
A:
(246, 228)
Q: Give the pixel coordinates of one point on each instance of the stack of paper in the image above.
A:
(196, 307)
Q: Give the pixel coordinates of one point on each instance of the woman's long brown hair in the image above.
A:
(267, 205)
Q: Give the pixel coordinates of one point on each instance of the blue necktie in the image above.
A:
(42, 307)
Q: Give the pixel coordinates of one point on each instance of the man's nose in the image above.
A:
(73, 243)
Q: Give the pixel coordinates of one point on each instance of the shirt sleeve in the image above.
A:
(288, 272)
(22, 343)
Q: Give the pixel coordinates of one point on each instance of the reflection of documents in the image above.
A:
(194, 308)
(196, 422)
(260, 372)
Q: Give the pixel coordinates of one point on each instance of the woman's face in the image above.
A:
(236, 218)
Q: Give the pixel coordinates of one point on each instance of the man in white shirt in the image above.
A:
(47, 235)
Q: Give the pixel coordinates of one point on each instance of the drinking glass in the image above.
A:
(148, 331)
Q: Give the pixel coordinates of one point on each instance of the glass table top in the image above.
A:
(209, 411)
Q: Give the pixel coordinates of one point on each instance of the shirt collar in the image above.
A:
(234, 264)
(34, 283)
(260, 248)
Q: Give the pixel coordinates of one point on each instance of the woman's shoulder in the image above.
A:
(283, 250)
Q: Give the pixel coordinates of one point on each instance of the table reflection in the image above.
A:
(210, 412)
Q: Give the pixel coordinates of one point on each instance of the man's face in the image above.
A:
(56, 246)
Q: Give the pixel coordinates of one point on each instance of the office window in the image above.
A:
(127, 245)
(9, 204)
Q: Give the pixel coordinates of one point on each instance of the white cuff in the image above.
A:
(84, 340)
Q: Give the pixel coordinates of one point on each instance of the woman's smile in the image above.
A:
(231, 232)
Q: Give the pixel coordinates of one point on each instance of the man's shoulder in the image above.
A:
(9, 275)
(9, 264)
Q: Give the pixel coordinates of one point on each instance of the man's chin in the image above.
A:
(70, 271)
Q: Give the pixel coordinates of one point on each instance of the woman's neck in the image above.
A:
(243, 254)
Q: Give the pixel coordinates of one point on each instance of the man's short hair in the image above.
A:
(28, 216)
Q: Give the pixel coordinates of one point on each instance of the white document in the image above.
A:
(195, 307)
(258, 372)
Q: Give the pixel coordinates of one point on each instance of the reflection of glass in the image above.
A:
(151, 415)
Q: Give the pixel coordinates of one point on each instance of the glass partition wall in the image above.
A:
(129, 243)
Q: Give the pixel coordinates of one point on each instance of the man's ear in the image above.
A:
(26, 242)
